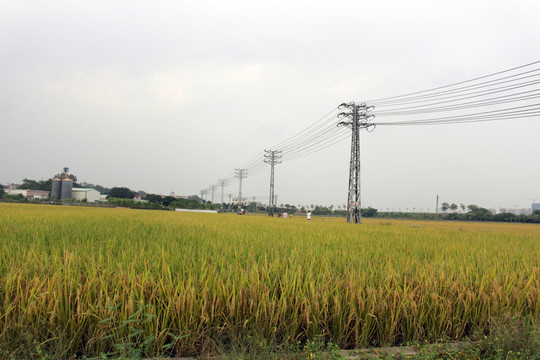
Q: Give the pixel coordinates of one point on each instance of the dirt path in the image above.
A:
(372, 353)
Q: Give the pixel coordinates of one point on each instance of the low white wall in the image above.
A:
(198, 210)
(22, 192)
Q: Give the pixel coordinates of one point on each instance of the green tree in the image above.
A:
(2, 191)
(167, 200)
(101, 189)
(121, 193)
(445, 207)
(453, 207)
(29, 184)
(369, 212)
(478, 213)
(153, 198)
(508, 217)
(321, 210)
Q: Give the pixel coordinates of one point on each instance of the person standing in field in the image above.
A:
(308, 215)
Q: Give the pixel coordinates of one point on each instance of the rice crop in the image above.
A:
(92, 280)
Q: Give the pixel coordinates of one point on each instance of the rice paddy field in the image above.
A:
(87, 281)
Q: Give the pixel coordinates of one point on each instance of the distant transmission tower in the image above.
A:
(358, 118)
(213, 189)
(222, 183)
(203, 192)
(272, 157)
(240, 174)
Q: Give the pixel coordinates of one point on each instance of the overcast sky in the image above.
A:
(173, 95)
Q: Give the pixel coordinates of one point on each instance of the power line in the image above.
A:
(468, 96)
(319, 132)
(317, 147)
(302, 133)
(502, 114)
(415, 110)
(493, 93)
(458, 91)
(327, 132)
(375, 101)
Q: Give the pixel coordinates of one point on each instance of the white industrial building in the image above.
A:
(29, 194)
(244, 201)
(91, 195)
(535, 206)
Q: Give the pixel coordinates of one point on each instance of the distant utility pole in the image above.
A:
(213, 189)
(240, 174)
(254, 204)
(272, 157)
(203, 192)
(437, 208)
(222, 183)
(358, 118)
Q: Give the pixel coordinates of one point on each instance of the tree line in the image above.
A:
(117, 196)
(124, 197)
(473, 213)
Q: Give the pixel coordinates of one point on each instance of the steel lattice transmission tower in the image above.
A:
(272, 157)
(240, 174)
(222, 183)
(213, 189)
(358, 118)
(203, 192)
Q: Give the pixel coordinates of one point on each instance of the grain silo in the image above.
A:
(66, 191)
(56, 188)
(62, 186)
